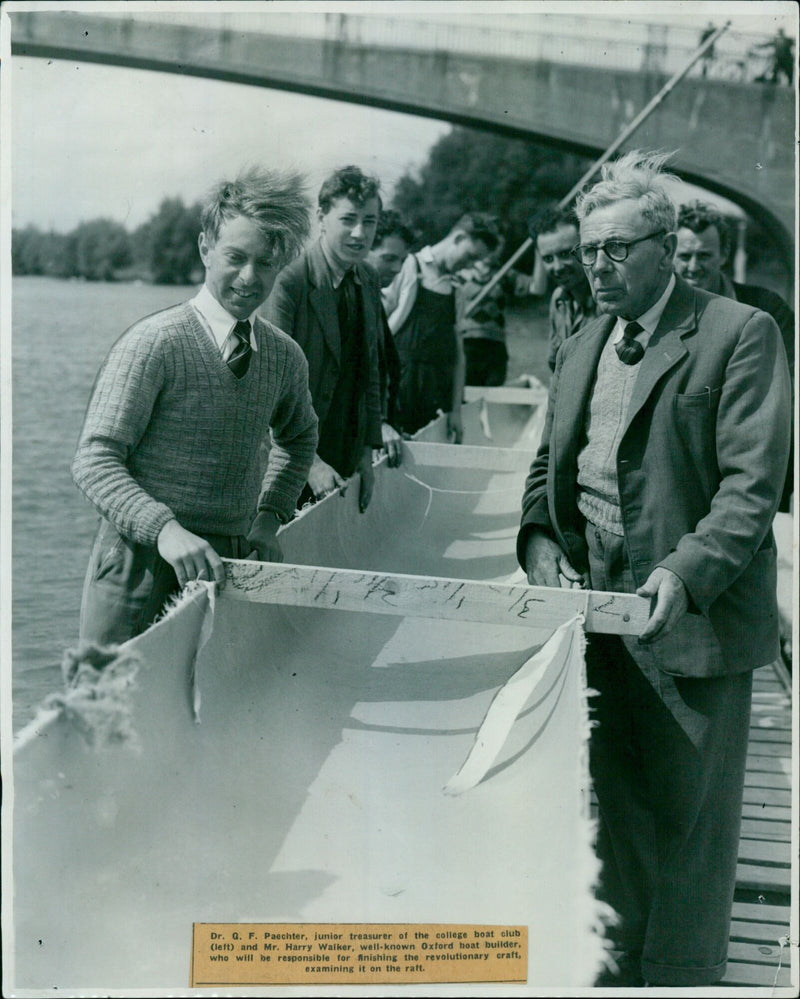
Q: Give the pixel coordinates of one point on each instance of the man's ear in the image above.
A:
(203, 246)
(670, 246)
(321, 218)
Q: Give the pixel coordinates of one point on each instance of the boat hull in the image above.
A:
(293, 770)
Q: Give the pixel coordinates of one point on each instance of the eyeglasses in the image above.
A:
(563, 255)
(615, 249)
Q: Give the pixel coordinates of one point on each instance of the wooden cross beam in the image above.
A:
(432, 597)
(485, 459)
(507, 394)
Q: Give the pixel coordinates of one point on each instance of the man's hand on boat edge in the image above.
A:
(190, 556)
(547, 565)
(669, 601)
(262, 537)
(322, 479)
(392, 444)
(455, 427)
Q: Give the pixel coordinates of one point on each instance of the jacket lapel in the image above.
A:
(576, 377)
(666, 347)
(322, 300)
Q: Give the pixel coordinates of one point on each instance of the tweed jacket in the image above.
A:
(700, 466)
(770, 302)
(302, 303)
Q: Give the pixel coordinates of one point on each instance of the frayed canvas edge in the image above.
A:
(96, 699)
(46, 715)
(599, 916)
(176, 602)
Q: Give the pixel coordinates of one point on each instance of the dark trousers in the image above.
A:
(127, 584)
(667, 760)
(425, 388)
(486, 361)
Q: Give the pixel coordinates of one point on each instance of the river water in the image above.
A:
(61, 331)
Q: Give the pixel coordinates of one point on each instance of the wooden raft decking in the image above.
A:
(762, 902)
(761, 905)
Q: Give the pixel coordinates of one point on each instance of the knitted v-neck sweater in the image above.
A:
(598, 486)
(171, 432)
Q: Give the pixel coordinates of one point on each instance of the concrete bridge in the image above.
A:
(732, 136)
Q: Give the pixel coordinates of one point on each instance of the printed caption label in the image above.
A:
(359, 953)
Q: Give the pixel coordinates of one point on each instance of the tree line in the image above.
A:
(162, 250)
(474, 171)
(466, 170)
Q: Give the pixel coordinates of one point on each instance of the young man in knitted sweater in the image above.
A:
(170, 448)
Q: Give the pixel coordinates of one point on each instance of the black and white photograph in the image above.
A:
(397, 501)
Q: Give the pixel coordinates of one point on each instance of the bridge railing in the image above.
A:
(613, 44)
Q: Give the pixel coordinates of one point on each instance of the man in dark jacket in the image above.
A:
(328, 300)
(704, 247)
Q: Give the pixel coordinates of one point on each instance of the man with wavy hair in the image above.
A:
(170, 451)
(704, 248)
(329, 302)
(659, 473)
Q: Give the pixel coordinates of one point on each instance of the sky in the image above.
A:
(92, 141)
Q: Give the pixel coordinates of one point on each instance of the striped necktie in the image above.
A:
(628, 349)
(237, 350)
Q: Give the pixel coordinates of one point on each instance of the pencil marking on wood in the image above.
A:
(601, 608)
(526, 608)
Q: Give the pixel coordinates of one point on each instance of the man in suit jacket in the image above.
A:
(329, 301)
(659, 473)
(704, 246)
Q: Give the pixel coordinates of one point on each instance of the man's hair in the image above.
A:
(274, 200)
(551, 219)
(637, 176)
(348, 182)
(391, 224)
(480, 226)
(699, 216)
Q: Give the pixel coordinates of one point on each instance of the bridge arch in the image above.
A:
(735, 138)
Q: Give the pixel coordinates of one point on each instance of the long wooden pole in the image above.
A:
(615, 145)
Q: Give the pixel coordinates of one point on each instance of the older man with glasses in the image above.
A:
(660, 471)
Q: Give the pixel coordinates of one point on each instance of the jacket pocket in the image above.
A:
(109, 553)
(707, 400)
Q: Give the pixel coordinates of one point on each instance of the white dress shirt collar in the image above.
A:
(217, 321)
(336, 272)
(648, 320)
